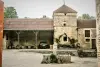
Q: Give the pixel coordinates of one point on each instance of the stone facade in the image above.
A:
(82, 39)
(98, 29)
(65, 23)
(98, 25)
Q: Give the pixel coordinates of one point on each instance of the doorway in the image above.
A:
(93, 43)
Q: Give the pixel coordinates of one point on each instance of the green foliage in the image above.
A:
(10, 12)
(86, 16)
(53, 58)
(82, 53)
(72, 41)
(57, 40)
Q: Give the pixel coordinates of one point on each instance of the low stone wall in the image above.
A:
(59, 52)
(72, 53)
(86, 53)
(64, 59)
(60, 59)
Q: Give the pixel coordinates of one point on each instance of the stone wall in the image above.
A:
(98, 25)
(98, 29)
(69, 19)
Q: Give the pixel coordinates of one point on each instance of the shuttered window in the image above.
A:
(87, 33)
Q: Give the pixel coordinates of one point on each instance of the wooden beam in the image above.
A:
(36, 38)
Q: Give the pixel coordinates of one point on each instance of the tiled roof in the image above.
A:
(28, 24)
(41, 24)
(86, 23)
(65, 9)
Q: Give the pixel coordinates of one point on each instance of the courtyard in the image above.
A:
(16, 58)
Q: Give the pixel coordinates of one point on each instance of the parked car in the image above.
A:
(43, 45)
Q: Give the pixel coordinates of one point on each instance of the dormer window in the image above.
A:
(64, 24)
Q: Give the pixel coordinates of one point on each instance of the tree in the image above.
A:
(86, 16)
(10, 12)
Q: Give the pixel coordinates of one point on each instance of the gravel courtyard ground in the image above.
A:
(14, 58)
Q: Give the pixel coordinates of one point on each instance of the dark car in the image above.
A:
(43, 45)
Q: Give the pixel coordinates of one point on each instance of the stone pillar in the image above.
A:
(55, 48)
(18, 33)
(98, 30)
(4, 42)
(36, 39)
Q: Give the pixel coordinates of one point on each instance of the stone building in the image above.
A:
(87, 33)
(65, 21)
(64, 26)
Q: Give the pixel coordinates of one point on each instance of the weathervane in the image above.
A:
(64, 2)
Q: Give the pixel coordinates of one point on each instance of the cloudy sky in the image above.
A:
(38, 8)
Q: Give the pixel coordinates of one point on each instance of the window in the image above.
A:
(65, 38)
(87, 33)
(87, 40)
(64, 24)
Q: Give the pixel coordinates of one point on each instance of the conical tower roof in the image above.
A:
(65, 9)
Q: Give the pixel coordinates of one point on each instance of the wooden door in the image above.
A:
(93, 43)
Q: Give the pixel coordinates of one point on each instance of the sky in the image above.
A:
(38, 8)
